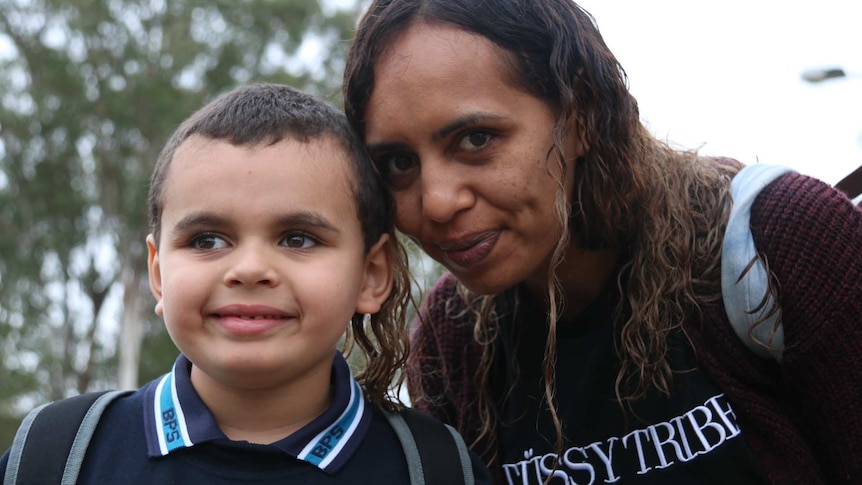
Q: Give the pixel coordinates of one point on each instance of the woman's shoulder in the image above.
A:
(811, 236)
(444, 308)
(443, 290)
(448, 300)
(787, 211)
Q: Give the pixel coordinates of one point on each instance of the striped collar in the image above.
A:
(175, 417)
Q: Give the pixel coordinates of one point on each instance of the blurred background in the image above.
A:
(91, 89)
(728, 77)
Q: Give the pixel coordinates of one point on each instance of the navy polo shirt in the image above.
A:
(175, 417)
(163, 433)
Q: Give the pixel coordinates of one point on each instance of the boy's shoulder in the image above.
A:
(66, 429)
(434, 451)
(431, 452)
(120, 439)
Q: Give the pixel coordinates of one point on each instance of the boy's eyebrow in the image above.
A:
(302, 218)
(197, 219)
(307, 218)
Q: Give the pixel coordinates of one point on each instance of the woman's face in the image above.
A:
(468, 155)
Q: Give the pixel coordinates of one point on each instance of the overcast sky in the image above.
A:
(726, 76)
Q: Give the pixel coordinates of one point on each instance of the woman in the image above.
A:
(579, 335)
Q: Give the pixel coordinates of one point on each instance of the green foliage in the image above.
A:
(90, 91)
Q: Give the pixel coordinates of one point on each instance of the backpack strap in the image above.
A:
(59, 429)
(743, 289)
(436, 453)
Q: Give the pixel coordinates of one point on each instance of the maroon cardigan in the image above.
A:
(802, 418)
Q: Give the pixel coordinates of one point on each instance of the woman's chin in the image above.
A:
(483, 282)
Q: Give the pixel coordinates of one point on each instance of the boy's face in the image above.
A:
(261, 261)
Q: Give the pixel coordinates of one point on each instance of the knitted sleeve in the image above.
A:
(811, 237)
(444, 359)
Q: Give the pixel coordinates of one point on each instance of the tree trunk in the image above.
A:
(131, 331)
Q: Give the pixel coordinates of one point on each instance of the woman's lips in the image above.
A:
(470, 251)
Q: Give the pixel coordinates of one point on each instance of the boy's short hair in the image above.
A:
(269, 113)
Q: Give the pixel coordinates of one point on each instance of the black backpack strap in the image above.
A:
(436, 453)
(59, 429)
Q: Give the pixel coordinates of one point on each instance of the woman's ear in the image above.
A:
(155, 272)
(577, 132)
(377, 279)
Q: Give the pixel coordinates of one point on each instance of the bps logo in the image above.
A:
(170, 425)
(329, 440)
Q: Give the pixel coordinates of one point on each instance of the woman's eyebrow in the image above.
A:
(386, 147)
(449, 128)
(464, 121)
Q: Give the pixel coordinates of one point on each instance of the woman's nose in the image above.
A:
(445, 191)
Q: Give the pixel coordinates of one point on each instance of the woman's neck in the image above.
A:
(582, 276)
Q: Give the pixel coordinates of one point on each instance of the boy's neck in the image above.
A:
(265, 415)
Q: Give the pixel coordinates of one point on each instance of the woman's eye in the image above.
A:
(397, 169)
(299, 241)
(474, 140)
(208, 242)
(397, 164)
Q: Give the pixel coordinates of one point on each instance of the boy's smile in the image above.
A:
(250, 320)
(261, 262)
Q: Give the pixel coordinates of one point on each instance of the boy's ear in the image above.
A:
(377, 280)
(155, 273)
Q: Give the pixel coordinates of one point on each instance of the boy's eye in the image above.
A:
(299, 241)
(208, 242)
(474, 140)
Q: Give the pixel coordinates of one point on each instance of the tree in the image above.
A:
(91, 90)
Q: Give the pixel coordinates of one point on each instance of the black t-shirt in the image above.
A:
(689, 437)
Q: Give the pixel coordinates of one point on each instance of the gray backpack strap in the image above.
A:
(743, 289)
(17, 450)
(60, 429)
(411, 452)
(85, 433)
(463, 455)
(436, 454)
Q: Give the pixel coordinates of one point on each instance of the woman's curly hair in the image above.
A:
(662, 209)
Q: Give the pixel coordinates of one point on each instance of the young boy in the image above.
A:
(270, 233)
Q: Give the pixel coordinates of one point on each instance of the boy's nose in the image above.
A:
(251, 267)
